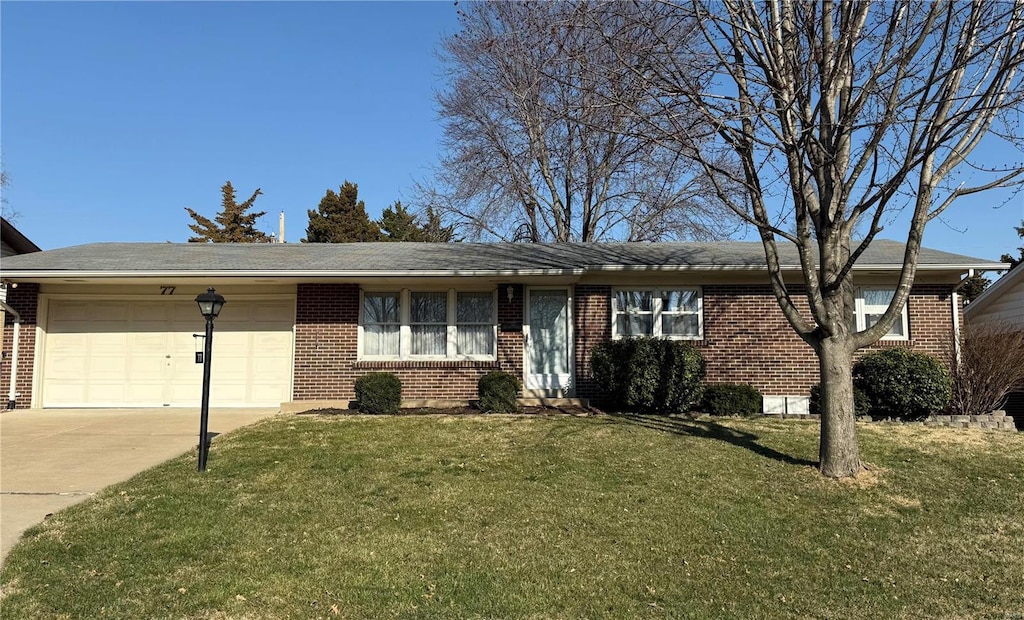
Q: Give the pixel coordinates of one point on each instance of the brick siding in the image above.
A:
(24, 299)
(748, 340)
(326, 350)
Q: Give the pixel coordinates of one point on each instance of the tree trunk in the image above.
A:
(838, 454)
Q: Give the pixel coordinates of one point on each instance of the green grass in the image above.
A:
(541, 517)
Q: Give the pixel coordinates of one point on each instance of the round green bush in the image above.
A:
(647, 375)
(731, 399)
(903, 384)
(498, 391)
(379, 392)
(861, 404)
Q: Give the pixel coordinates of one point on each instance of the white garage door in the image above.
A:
(142, 354)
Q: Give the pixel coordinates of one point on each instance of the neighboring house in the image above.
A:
(12, 242)
(1003, 303)
(116, 323)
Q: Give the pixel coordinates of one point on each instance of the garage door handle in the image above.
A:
(168, 357)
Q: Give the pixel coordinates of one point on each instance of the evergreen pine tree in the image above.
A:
(399, 225)
(341, 218)
(232, 224)
(434, 231)
(1006, 258)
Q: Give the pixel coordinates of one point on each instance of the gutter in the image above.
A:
(12, 393)
(34, 275)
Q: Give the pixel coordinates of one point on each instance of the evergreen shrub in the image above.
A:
(497, 392)
(379, 392)
(903, 384)
(861, 404)
(731, 399)
(647, 375)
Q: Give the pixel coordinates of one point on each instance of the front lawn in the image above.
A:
(541, 517)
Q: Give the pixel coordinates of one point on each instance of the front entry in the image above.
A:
(548, 341)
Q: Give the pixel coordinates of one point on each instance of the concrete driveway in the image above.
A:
(52, 458)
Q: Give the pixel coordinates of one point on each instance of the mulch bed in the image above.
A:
(541, 411)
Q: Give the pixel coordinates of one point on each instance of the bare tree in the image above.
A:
(839, 115)
(6, 210)
(541, 137)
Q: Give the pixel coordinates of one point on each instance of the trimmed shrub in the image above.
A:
(731, 399)
(648, 375)
(861, 404)
(903, 384)
(498, 391)
(379, 392)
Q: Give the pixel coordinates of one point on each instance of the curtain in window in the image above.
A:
(679, 313)
(474, 319)
(428, 322)
(634, 313)
(381, 324)
(875, 303)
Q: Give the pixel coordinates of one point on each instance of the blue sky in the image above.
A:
(115, 116)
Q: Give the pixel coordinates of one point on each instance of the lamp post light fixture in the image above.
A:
(210, 304)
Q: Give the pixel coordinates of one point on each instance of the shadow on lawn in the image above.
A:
(709, 429)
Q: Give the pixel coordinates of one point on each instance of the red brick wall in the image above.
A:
(24, 299)
(748, 340)
(592, 324)
(326, 343)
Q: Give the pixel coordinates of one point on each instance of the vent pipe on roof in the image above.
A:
(12, 393)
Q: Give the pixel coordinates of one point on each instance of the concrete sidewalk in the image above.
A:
(52, 458)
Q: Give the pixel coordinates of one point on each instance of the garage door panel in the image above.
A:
(108, 313)
(142, 353)
(152, 312)
(145, 394)
(275, 340)
(67, 368)
(108, 368)
(69, 313)
(269, 393)
(228, 393)
(227, 342)
(276, 312)
(67, 342)
(67, 393)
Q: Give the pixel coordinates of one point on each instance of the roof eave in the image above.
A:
(304, 273)
(49, 274)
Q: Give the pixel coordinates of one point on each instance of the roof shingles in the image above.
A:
(370, 258)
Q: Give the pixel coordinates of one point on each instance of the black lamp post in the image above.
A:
(210, 304)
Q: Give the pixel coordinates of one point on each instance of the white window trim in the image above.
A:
(361, 339)
(405, 329)
(861, 312)
(656, 310)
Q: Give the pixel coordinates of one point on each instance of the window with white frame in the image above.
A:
(872, 303)
(428, 323)
(381, 324)
(657, 313)
(435, 324)
(474, 323)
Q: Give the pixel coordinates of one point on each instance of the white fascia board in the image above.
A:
(299, 274)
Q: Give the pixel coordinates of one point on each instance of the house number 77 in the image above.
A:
(166, 290)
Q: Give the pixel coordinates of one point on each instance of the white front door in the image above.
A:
(548, 341)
